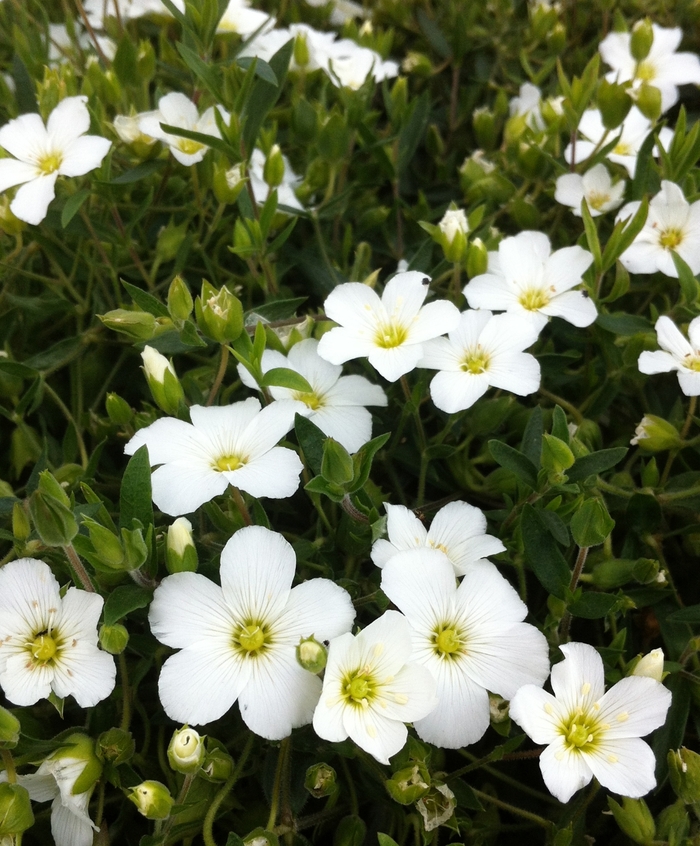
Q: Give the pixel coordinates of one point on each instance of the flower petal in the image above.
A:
(421, 583)
(31, 202)
(274, 474)
(378, 735)
(318, 607)
(564, 770)
(83, 155)
(188, 608)
(85, 672)
(452, 392)
(69, 120)
(578, 681)
(537, 712)
(634, 707)
(13, 172)
(180, 487)
(69, 829)
(25, 138)
(460, 530)
(625, 766)
(351, 426)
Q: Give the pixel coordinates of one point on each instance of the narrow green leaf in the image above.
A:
(531, 445)
(592, 605)
(284, 377)
(621, 285)
(262, 69)
(123, 600)
(207, 140)
(434, 35)
(413, 130)
(543, 555)
(592, 236)
(596, 462)
(311, 440)
(514, 461)
(135, 494)
(203, 71)
(363, 461)
(263, 96)
(560, 427)
(623, 234)
(277, 309)
(686, 279)
(72, 206)
(145, 301)
(141, 171)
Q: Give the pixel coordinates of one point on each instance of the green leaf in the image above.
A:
(207, 140)
(620, 323)
(465, 796)
(322, 486)
(123, 600)
(262, 69)
(72, 206)
(385, 840)
(621, 285)
(263, 96)
(691, 614)
(234, 840)
(434, 35)
(277, 309)
(592, 236)
(141, 171)
(531, 445)
(591, 524)
(560, 428)
(592, 605)
(543, 554)
(413, 130)
(363, 461)
(56, 356)
(623, 234)
(311, 440)
(145, 301)
(596, 462)
(135, 495)
(283, 377)
(337, 465)
(686, 279)
(556, 526)
(670, 734)
(514, 461)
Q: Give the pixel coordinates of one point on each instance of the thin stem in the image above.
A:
(240, 504)
(78, 569)
(9, 764)
(207, 828)
(513, 809)
(220, 373)
(69, 417)
(182, 795)
(565, 624)
(674, 452)
(126, 693)
(277, 788)
(91, 33)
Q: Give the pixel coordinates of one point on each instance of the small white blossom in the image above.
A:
(590, 733)
(238, 641)
(672, 225)
(677, 354)
(371, 688)
(595, 186)
(128, 128)
(43, 153)
(526, 277)
(48, 643)
(285, 190)
(98, 10)
(238, 17)
(663, 67)
(458, 530)
(470, 637)
(453, 223)
(390, 331)
(336, 404)
(528, 105)
(233, 444)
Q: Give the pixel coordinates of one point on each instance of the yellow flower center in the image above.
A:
(622, 149)
(534, 299)
(390, 336)
(448, 641)
(646, 71)
(670, 238)
(358, 688)
(229, 462)
(43, 648)
(50, 163)
(692, 362)
(310, 399)
(579, 734)
(475, 361)
(188, 147)
(251, 638)
(597, 200)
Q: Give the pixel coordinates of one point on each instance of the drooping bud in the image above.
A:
(654, 434)
(113, 639)
(181, 553)
(15, 810)
(634, 818)
(641, 39)
(162, 380)
(650, 665)
(312, 655)
(9, 729)
(320, 780)
(180, 302)
(217, 765)
(153, 799)
(186, 750)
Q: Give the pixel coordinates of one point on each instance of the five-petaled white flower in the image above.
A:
(238, 17)
(676, 353)
(526, 277)
(470, 637)
(371, 688)
(175, 109)
(589, 732)
(391, 331)
(528, 104)
(43, 153)
(238, 641)
(483, 351)
(458, 529)
(285, 190)
(663, 67)
(672, 226)
(336, 403)
(49, 643)
(595, 186)
(234, 444)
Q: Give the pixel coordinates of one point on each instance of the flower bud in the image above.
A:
(181, 554)
(614, 103)
(116, 746)
(398, 99)
(650, 665)
(320, 780)
(634, 818)
(21, 525)
(556, 38)
(186, 750)
(498, 708)
(80, 748)
(650, 474)
(684, 774)
(228, 183)
(128, 128)
(139, 325)
(673, 824)
(219, 314)
(15, 810)
(49, 485)
(477, 258)
(437, 806)
(10, 729)
(54, 521)
(118, 410)
(217, 765)
(312, 655)
(113, 639)
(162, 380)
(350, 831)
(648, 99)
(180, 302)
(654, 434)
(453, 230)
(641, 39)
(135, 548)
(485, 128)
(107, 545)
(9, 224)
(153, 799)
(417, 63)
(409, 784)
(556, 455)
(615, 572)
(301, 50)
(273, 171)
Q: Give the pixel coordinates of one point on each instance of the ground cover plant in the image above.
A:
(349, 472)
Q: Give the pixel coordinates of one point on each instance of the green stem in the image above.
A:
(240, 504)
(565, 623)
(277, 788)
(9, 764)
(221, 372)
(513, 809)
(207, 828)
(77, 566)
(674, 452)
(69, 417)
(126, 693)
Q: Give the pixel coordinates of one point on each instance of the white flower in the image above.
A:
(371, 688)
(43, 153)
(458, 530)
(600, 192)
(341, 10)
(238, 641)
(663, 67)
(527, 105)
(483, 351)
(98, 10)
(285, 190)
(589, 732)
(336, 404)
(128, 128)
(630, 134)
(526, 277)
(676, 354)
(672, 225)
(175, 109)
(241, 19)
(61, 46)
(390, 331)
(470, 637)
(232, 444)
(180, 536)
(650, 665)
(453, 223)
(48, 643)
(349, 65)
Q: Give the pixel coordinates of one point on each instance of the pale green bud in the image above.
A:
(477, 258)
(228, 184)
(10, 729)
(180, 302)
(217, 765)
(634, 818)
(684, 774)
(54, 521)
(408, 785)
(312, 655)
(113, 639)
(654, 434)
(453, 231)
(181, 553)
(80, 747)
(273, 171)
(162, 380)
(186, 750)
(320, 780)
(219, 313)
(641, 39)
(485, 128)
(153, 799)
(15, 810)
(116, 746)
(118, 410)
(107, 545)
(21, 525)
(650, 665)
(139, 325)
(301, 50)
(648, 99)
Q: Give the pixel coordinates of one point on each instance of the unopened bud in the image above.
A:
(477, 258)
(54, 521)
(648, 99)
(273, 171)
(217, 765)
(80, 748)
(650, 665)
(453, 229)
(320, 780)
(116, 746)
(9, 729)
(614, 103)
(312, 655)
(139, 325)
(485, 129)
(219, 314)
(135, 548)
(118, 410)
(181, 553)
(684, 774)
(107, 545)
(186, 750)
(228, 183)
(153, 799)
(21, 525)
(641, 39)
(162, 380)
(556, 38)
(409, 784)
(15, 810)
(180, 302)
(655, 434)
(113, 639)
(634, 818)
(556, 455)
(301, 50)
